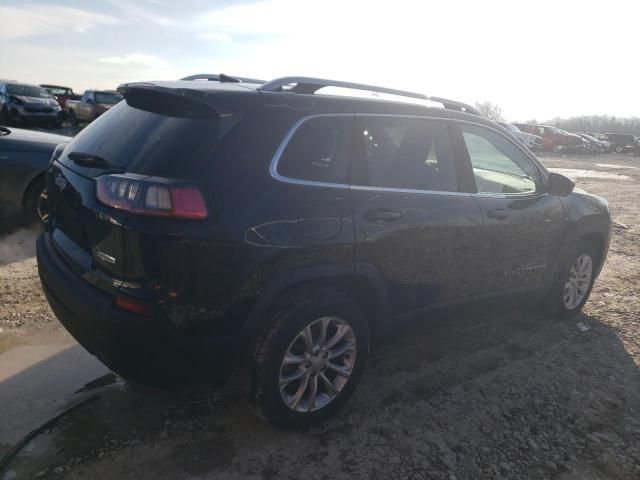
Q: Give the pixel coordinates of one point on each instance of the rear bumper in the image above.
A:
(145, 349)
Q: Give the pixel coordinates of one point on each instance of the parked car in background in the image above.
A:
(596, 146)
(22, 103)
(622, 142)
(575, 143)
(61, 94)
(24, 158)
(199, 226)
(533, 142)
(91, 105)
(553, 139)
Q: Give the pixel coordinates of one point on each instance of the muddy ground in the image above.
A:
(497, 392)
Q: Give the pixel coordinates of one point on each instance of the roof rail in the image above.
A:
(215, 77)
(309, 85)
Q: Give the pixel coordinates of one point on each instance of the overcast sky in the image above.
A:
(535, 59)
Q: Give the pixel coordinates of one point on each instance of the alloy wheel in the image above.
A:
(577, 285)
(317, 364)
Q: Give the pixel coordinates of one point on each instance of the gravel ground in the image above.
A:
(493, 392)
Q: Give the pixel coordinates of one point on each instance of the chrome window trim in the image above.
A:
(409, 191)
(273, 166)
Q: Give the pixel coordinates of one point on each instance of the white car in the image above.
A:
(534, 142)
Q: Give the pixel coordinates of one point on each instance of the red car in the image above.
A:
(552, 138)
(61, 94)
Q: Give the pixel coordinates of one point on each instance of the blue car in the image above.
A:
(24, 158)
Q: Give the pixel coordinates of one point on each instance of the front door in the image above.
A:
(524, 225)
(411, 220)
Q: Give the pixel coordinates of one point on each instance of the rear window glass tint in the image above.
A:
(318, 151)
(148, 143)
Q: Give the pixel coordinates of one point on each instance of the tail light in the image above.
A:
(151, 196)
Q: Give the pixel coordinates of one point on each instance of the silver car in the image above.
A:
(20, 103)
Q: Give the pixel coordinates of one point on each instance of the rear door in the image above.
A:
(524, 225)
(412, 220)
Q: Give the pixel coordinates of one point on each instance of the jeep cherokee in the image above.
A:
(200, 226)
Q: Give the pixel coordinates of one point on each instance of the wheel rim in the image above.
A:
(42, 207)
(317, 364)
(577, 285)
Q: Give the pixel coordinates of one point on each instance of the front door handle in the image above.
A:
(382, 215)
(498, 214)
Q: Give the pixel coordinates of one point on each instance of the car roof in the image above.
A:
(318, 102)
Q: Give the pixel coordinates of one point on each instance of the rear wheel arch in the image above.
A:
(363, 285)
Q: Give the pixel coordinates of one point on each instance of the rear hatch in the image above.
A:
(156, 136)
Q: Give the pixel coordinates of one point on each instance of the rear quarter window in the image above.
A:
(318, 151)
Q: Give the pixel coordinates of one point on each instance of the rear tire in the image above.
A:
(574, 282)
(306, 388)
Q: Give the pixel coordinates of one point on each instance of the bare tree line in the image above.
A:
(596, 124)
(583, 123)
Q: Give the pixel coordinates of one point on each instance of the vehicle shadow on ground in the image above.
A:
(476, 393)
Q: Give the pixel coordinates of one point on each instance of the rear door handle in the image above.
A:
(498, 214)
(382, 215)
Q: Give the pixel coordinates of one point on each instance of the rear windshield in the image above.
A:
(140, 141)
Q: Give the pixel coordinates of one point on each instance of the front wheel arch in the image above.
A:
(35, 185)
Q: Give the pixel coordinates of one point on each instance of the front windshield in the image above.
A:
(108, 97)
(27, 91)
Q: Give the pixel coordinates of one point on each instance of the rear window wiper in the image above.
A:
(92, 161)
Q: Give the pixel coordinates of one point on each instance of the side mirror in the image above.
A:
(89, 100)
(559, 185)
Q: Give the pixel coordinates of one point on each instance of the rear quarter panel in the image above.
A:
(258, 228)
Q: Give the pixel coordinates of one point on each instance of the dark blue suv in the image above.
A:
(200, 226)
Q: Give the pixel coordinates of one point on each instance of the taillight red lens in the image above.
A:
(151, 196)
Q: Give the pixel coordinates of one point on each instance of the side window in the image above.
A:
(318, 151)
(404, 153)
(499, 166)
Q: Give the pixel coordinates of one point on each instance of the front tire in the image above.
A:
(310, 360)
(36, 203)
(573, 285)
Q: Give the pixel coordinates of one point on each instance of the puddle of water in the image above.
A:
(609, 165)
(574, 173)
